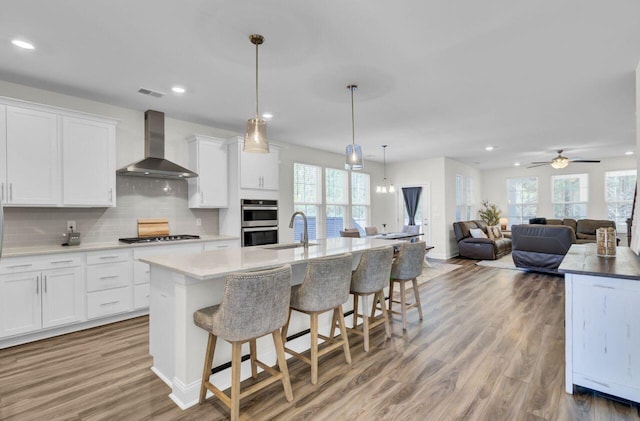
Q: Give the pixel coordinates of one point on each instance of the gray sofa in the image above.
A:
(585, 229)
(541, 247)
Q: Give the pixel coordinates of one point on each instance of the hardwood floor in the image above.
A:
(491, 347)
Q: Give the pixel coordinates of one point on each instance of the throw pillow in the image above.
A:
(477, 233)
(495, 233)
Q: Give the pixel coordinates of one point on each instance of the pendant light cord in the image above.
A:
(353, 121)
(257, 81)
(384, 163)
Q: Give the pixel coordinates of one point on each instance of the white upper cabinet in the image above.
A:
(259, 170)
(31, 157)
(88, 154)
(208, 157)
(55, 157)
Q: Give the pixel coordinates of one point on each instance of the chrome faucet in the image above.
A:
(305, 236)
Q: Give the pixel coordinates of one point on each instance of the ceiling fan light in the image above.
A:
(559, 162)
(255, 138)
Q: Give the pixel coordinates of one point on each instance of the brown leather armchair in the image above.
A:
(479, 248)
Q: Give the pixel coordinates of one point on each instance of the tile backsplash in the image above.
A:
(136, 198)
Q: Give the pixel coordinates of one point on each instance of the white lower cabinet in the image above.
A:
(109, 283)
(141, 295)
(37, 299)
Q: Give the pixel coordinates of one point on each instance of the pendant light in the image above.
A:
(255, 137)
(385, 187)
(354, 152)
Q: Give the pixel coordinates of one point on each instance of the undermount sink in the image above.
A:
(286, 246)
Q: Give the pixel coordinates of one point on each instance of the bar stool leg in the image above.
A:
(314, 347)
(355, 310)
(365, 322)
(334, 322)
(253, 355)
(236, 362)
(208, 363)
(390, 294)
(343, 332)
(416, 294)
(282, 363)
(285, 328)
(383, 309)
(403, 305)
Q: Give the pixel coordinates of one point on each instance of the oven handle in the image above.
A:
(260, 229)
(249, 207)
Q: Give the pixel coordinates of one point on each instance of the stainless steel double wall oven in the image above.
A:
(259, 222)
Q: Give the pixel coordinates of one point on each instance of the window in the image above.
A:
(307, 198)
(619, 186)
(346, 200)
(360, 200)
(570, 195)
(464, 199)
(522, 194)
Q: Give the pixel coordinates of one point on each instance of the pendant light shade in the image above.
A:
(354, 152)
(386, 186)
(255, 137)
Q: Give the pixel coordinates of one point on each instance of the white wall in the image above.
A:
(494, 184)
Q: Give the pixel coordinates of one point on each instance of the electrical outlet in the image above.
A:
(71, 226)
(198, 221)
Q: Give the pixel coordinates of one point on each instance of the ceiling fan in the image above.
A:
(560, 161)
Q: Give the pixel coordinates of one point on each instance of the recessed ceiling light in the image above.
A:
(178, 89)
(628, 153)
(23, 44)
(488, 148)
(516, 164)
(267, 116)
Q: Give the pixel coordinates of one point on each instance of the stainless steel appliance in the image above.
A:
(259, 224)
(160, 238)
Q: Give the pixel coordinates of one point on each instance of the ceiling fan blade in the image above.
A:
(541, 162)
(538, 164)
(585, 160)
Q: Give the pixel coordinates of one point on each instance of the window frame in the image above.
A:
(521, 218)
(583, 191)
(620, 224)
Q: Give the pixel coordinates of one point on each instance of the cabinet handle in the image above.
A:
(603, 286)
(108, 257)
(201, 197)
(45, 284)
(109, 277)
(111, 195)
(3, 192)
(110, 303)
(62, 261)
(11, 191)
(19, 266)
(37, 285)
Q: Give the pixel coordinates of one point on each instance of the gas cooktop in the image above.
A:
(162, 238)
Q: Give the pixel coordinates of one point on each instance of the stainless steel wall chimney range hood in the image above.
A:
(154, 165)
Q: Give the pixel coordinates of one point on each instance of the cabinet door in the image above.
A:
(32, 157)
(20, 311)
(208, 157)
(3, 153)
(259, 171)
(88, 162)
(62, 296)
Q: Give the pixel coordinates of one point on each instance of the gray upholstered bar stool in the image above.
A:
(370, 277)
(254, 304)
(325, 287)
(407, 267)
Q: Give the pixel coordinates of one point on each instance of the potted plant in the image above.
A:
(490, 213)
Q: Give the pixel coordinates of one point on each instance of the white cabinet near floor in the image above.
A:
(208, 157)
(32, 162)
(88, 153)
(40, 293)
(603, 334)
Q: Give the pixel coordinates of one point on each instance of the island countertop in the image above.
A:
(582, 259)
(216, 263)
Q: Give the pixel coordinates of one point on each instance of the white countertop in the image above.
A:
(216, 263)
(33, 251)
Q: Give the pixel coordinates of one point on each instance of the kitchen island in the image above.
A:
(602, 321)
(181, 285)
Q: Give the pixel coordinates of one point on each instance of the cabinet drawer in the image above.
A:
(109, 256)
(141, 294)
(112, 301)
(101, 277)
(217, 245)
(31, 263)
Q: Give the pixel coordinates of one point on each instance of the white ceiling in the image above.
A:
(436, 77)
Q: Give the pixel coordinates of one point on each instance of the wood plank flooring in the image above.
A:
(490, 347)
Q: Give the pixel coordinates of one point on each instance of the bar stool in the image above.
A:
(407, 267)
(254, 304)
(370, 277)
(325, 287)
